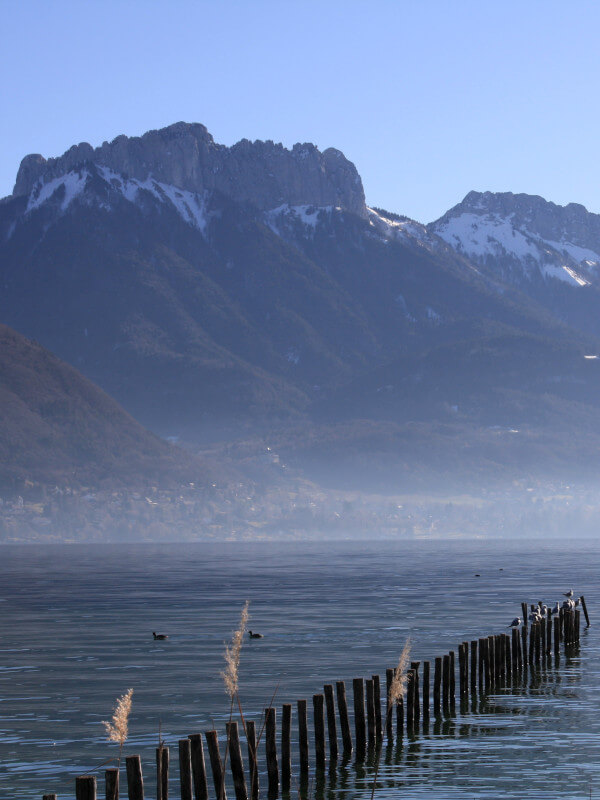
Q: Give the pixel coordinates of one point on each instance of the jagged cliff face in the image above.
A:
(186, 156)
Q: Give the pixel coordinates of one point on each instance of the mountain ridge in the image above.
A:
(264, 172)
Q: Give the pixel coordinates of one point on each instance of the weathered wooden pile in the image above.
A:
(483, 665)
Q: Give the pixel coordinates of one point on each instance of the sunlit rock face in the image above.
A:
(186, 156)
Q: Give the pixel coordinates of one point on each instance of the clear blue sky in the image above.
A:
(429, 98)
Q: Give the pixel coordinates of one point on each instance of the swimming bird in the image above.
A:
(255, 635)
(515, 623)
(159, 635)
(568, 594)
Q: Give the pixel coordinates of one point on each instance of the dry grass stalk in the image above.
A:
(399, 681)
(118, 729)
(396, 693)
(230, 674)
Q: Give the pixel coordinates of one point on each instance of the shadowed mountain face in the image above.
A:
(219, 291)
(57, 427)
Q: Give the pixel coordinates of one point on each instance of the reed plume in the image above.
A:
(398, 684)
(396, 693)
(118, 729)
(230, 674)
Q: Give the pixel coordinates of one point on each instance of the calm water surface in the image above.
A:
(76, 628)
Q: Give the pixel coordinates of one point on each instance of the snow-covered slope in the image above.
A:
(525, 238)
(96, 184)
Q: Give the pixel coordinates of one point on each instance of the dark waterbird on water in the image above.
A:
(159, 635)
(255, 635)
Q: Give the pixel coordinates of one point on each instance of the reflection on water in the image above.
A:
(76, 632)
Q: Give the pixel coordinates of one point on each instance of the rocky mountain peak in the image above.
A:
(186, 156)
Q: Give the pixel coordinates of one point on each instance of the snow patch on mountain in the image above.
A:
(495, 237)
(287, 216)
(73, 184)
(190, 206)
(490, 235)
(396, 228)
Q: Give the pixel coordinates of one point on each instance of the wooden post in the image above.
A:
(162, 772)
(515, 652)
(531, 645)
(331, 724)
(426, 668)
(286, 747)
(303, 737)
(271, 752)
(252, 759)
(524, 611)
(377, 701)
(446, 684)
(359, 714)
(212, 743)
(481, 665)
(416, 701)
(370, 711)
(461, 670)
(577, 625)
(49, 797)
(237, 765)
(111, 784)
(491, 651)
(452, 678)
(85, 787)
(548, 623)
(410, 700)
(524, 643)
(135, 782)
(198, 767)
(543, 639)
(437, 681)
(185, 769)
(400, 720)
(389, 725)
(556, 635)
(340, 688)
(507, 657)
(585, 612)
(474, 662)
(319, 722)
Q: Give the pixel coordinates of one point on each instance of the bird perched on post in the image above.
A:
(569, 594)
(515, 623)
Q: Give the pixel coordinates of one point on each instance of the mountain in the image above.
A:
(248, 294)
(211, 290)
(550, 252)
(56, 427)
(186, 156)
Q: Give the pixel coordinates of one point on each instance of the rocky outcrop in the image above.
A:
(186, 155)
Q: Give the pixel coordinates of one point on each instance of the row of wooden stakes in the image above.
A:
(483, 664)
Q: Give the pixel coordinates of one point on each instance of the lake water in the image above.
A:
(76, 628)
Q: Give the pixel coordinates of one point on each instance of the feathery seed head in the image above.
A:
(232, 654)
(118, 729)
(398, 685)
